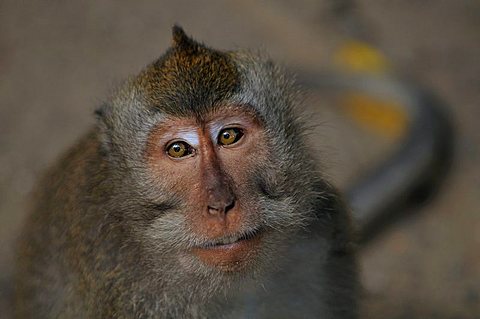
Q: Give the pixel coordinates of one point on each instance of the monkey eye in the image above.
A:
(179, 149)
(229, 136)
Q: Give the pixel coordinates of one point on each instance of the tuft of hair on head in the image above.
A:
(180, 38)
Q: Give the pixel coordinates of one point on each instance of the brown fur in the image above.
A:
(120, 230)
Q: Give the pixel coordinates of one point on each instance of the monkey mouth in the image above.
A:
(232, 239)
(230, 253)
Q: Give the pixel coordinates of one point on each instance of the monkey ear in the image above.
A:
(181, 39)
(100, 111)
(103, 128)
(103, 116)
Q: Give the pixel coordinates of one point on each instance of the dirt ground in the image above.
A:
(59, 60)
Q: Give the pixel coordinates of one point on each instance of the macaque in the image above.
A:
(196, 195)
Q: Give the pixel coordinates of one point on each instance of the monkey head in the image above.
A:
(212, 173)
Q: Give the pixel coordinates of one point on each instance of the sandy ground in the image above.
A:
(58, 61)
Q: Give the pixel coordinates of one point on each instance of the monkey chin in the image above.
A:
(233, 256)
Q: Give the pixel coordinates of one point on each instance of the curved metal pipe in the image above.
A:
(415, 169)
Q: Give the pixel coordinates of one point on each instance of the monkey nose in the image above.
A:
(221, 208)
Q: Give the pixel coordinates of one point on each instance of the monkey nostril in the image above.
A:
(213, 211)
(230, 206)
(219, 208)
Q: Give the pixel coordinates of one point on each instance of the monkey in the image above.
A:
(195, 195)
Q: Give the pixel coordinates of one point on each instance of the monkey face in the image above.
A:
(208, 166)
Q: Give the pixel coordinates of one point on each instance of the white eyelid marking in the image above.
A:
(191, 137)
(215, 130)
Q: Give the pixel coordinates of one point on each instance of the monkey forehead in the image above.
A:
(192, 80)
(188, 79)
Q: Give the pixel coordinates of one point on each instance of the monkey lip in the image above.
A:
(232, 239)
(230, 253)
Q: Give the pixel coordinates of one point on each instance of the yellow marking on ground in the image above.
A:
(358, 56)
(381, 116)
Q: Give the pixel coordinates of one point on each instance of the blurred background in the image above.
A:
(58, 60)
